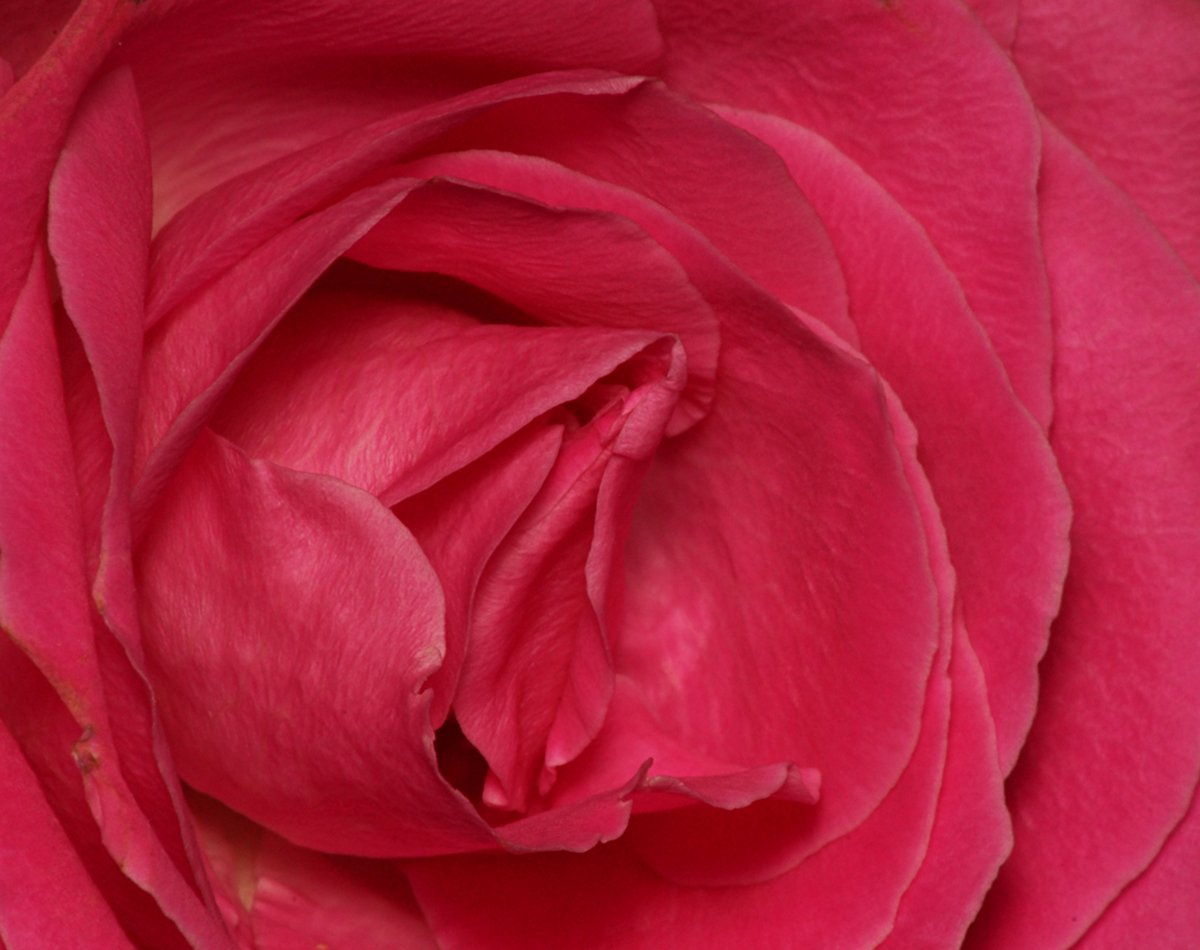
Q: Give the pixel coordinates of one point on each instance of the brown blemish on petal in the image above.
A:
(84, 757)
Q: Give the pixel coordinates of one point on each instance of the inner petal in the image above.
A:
(538, 675)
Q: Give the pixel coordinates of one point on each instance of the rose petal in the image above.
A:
(538, 676)
(1111, 761)
(865, 77)
(44, 598)
(1163, 900)
(229, 86)
(563, 267)
(290, 623)
(1007, 535)
(674, 153)
(33, 122)
(191, 359)
(461, 520)
(279, 896)
(1121, 83)
(229, 221)
(46, 894)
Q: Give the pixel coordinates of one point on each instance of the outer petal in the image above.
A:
(1007, 533)
(229, 85)
(33, 122)
(1113, 756)
(866, 76)
(1120, 80)
(1163, 901)
(47, 897)
(44, 603)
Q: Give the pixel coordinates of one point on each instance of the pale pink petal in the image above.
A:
(1111, 761)
(47, 897)
(921, 97)
(1120, 81)
(1007, 535)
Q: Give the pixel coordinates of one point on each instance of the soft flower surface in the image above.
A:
(635, 473)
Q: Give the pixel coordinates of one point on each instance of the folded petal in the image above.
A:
(231, 219)
(876, 80)
(1007, 535)
(1112, 760)
(290, 624)
(34, 115)
(229, 86)
(672, 153)
(47, 896)
(1121, 82)
(562, 267)
(190, 360)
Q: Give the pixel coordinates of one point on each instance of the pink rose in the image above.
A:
(599, 474)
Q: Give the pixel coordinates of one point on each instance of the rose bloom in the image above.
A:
(599, 473)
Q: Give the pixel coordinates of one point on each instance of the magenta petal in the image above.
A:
(34, 115)
(864, 76)
(672, 153)
(277, 896)
(227, 223)
(230, 85)
(1120, 81)
(46, 895)
(538, 677)
(459, 523)
(390, 392)
(290, 682)
(44, 596)
(1007, 535)
(191, 358)
(563, 267)
(1111, 761)
(1163, 900)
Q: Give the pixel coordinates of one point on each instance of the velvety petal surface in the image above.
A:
(1112, 760)
(190, 360)
(1163, 900)
(44, 601)
(46, 894)
(1120, 81)
(676, 154)
(99, 233)
(323, 594)
(998, 489)
(232, 219)
(919, 95)
(276, 896)
(34, 114)
(229, 86)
